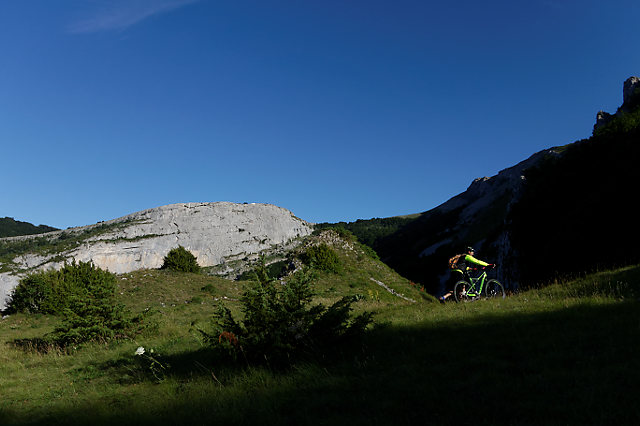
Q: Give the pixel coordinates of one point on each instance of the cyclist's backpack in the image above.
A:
(457, 262)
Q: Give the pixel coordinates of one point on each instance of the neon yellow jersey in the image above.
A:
(470, 259)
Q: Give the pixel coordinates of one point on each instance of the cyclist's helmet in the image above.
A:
(470, 249)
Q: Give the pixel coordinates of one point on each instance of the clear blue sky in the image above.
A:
(334, 109)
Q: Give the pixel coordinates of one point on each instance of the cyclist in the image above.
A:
(459, 269)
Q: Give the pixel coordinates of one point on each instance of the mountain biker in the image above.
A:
(460, 270)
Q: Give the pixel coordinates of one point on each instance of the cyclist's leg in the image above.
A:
(454, 277)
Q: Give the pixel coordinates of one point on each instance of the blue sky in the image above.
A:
(335, 110)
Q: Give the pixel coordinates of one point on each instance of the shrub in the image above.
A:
(280, 325)
(209, 288)
(84, 295)
(276, 269)
(34, 294)
(321, 257)
(51, 292)
(92, 315)
(369, 252)
(181, 260)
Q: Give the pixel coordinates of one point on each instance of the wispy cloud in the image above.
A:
(118, 15)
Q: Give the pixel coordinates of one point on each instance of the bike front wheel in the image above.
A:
(494, 290)
(462, 294)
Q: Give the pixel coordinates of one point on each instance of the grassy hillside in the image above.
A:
(563, 354)
(9, 227)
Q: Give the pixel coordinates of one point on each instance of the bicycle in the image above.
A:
(475, 288)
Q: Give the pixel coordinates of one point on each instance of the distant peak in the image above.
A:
(629, 89)
(630, 98)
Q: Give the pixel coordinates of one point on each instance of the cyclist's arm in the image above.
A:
(471, 259)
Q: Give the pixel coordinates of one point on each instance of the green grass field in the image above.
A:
(562, 354)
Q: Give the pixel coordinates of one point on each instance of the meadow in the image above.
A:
(560, 354)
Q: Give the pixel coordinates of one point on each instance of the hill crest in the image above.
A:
(9, 227)
(214, 232)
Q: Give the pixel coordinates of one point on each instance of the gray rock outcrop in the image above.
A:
(214, 232)
(629, 89)
(630, 93)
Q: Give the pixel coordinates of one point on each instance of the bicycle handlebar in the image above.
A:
(491, 266)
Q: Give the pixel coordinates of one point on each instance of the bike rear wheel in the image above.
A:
(461, 292)
(494, 289)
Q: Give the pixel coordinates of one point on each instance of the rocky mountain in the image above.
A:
(420, 249)
(630, 99)
(565, 210)
(216, 233)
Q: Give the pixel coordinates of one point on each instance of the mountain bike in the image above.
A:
(476, 288)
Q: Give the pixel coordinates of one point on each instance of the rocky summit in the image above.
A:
(630, 95)
(215, 233)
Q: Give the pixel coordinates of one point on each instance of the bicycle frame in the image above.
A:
(476, 285)
(473, 288)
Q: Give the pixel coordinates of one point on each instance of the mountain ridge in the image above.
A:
(561, 211)
(495, 214)
(215, 233)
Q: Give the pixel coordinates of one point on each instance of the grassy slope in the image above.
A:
(559, 355)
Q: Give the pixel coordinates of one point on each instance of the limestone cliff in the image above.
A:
(214, 232)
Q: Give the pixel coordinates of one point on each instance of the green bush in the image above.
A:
(51, 292)
(280, 325)
(369, 252)
(84, 296)
(93, 315)
(277, 269)
(321, 257)
(181, 260)
(34, 294)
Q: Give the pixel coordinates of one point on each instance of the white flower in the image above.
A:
(140, 351)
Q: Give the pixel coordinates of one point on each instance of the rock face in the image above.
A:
(472, 207)
(483, 216)
(214, 232)
(477, 217)
(629, 97)
(629, 88)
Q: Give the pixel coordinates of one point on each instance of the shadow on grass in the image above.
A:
(574, 366)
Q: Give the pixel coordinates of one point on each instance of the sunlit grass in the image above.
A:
(561, 354)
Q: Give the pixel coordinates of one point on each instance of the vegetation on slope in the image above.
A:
(563, 354)
(574, 215)
(53, 245)
(280, 325)
(576, 212)
(83, 297)
(371, 231)
(180, 259)
(400, 245)
(9, 227)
